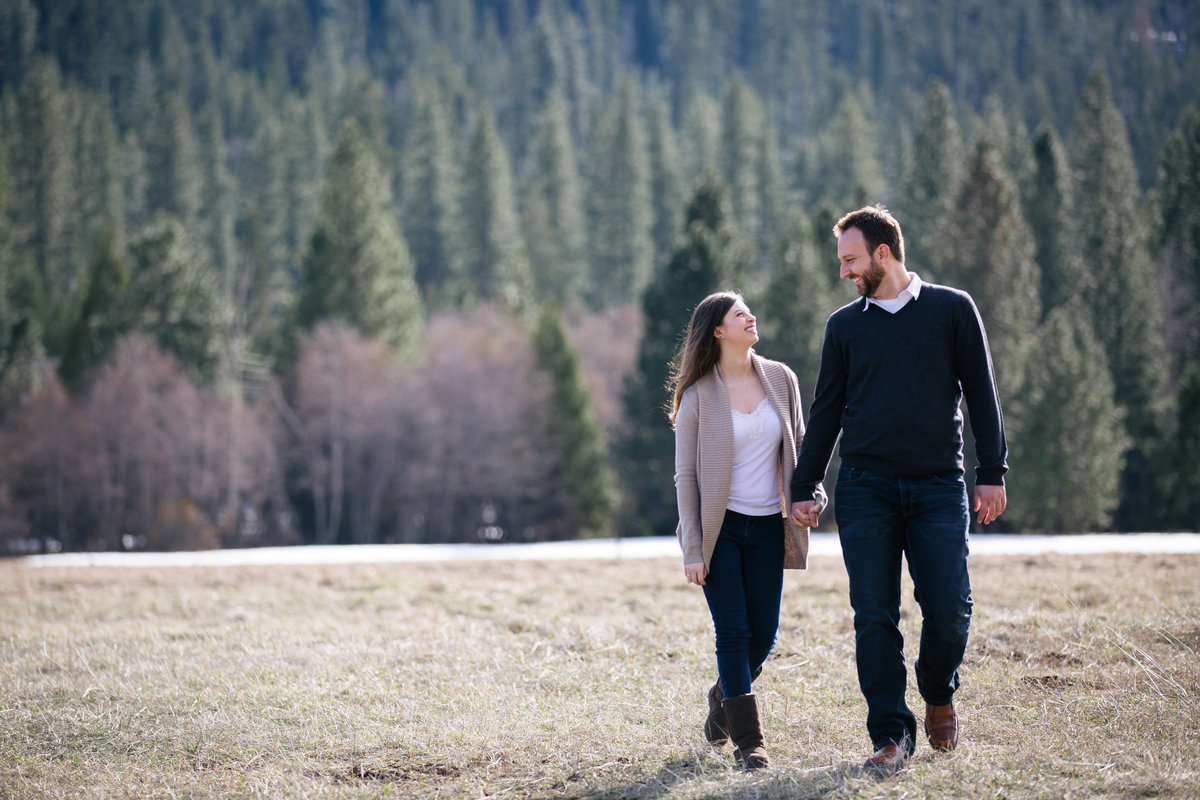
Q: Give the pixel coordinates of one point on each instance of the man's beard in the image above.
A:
(871, 279)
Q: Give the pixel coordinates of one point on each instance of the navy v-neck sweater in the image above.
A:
(892, 385)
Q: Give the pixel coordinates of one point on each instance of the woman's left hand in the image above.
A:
(695, 572)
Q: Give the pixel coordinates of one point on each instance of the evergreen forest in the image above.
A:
(357, 271)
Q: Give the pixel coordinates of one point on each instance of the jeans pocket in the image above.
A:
(952, 478)
(850, 475)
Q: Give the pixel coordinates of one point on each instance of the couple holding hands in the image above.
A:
(895, 365)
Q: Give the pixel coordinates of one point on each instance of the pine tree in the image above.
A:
(772, 188)
(21, 339)
(603, 21)
(134, 182)
(305, 151)
(491, 69)
(44, 176)
(694, 58)
(666, 186)
(553, 204)
(743, 119)
(849, 173)
(19, 352)
(364, 99)
(265, 213)
(20, 333)
(7, 239)
(172, 52)
(265, 300)
(431, 186)
(994, 125)
(996, 263)
(1065, 467)
(454, 25)
(100, 202)
(750, 165)
(539, 71)
(620, 214)
(174, 295)
(699, 266)
(583, 494)
(881, 63)
(141, 100)
(1181, 479)
(101, 319)
(1179, 248)
(175, 178)
(270, 219)
(577, 80)
(700, 139)
(357, 268)
(18, 39)
(933, 184)
(798, 300)
(780, 58)
(23, 307)
(1179, 234)
(495, 265)
(218, 198)
(1020, 159)
(1050, 209)
(1124, 299)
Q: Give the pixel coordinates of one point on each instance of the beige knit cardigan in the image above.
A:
(704, 460)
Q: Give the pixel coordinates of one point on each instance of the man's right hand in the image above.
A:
(807, 513)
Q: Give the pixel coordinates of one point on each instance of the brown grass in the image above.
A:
(570, 679)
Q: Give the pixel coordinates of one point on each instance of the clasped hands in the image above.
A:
(807, 513)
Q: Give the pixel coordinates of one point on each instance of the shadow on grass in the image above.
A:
(724, 780)
(809, 784)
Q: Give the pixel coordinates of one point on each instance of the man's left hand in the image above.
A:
(990, 502)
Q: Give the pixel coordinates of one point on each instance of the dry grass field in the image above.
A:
(570, 679)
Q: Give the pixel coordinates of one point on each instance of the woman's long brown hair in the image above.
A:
(699, 353)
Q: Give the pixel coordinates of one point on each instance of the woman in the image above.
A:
(738, 428)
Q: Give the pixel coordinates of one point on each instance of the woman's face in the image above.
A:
(738, 328)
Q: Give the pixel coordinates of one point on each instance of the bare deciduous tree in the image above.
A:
(142, 460)
(478, 432)
(342, 431)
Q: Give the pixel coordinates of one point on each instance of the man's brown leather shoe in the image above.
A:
(888, 760)
(941, 726)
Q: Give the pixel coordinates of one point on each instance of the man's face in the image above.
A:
(858, 264)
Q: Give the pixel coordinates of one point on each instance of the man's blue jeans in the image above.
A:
(926, 518)
(744, 588)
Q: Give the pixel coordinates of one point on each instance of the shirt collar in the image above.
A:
(913, 289)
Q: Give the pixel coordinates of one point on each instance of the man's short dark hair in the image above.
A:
(878, 227)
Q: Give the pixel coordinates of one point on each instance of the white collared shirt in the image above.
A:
(910, 292)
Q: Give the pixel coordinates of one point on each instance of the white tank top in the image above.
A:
(754, 484)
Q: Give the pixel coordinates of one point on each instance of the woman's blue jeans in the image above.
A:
(926, 518)
(744, 588)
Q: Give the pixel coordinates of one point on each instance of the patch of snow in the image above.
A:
(821, 544)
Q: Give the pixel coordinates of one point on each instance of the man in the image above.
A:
(894, 366)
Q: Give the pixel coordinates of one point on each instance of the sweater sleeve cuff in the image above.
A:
(690, 543)
(990, 476)
(801, 493)
(801, 490)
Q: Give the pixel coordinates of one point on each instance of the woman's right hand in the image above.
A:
(695, 572)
